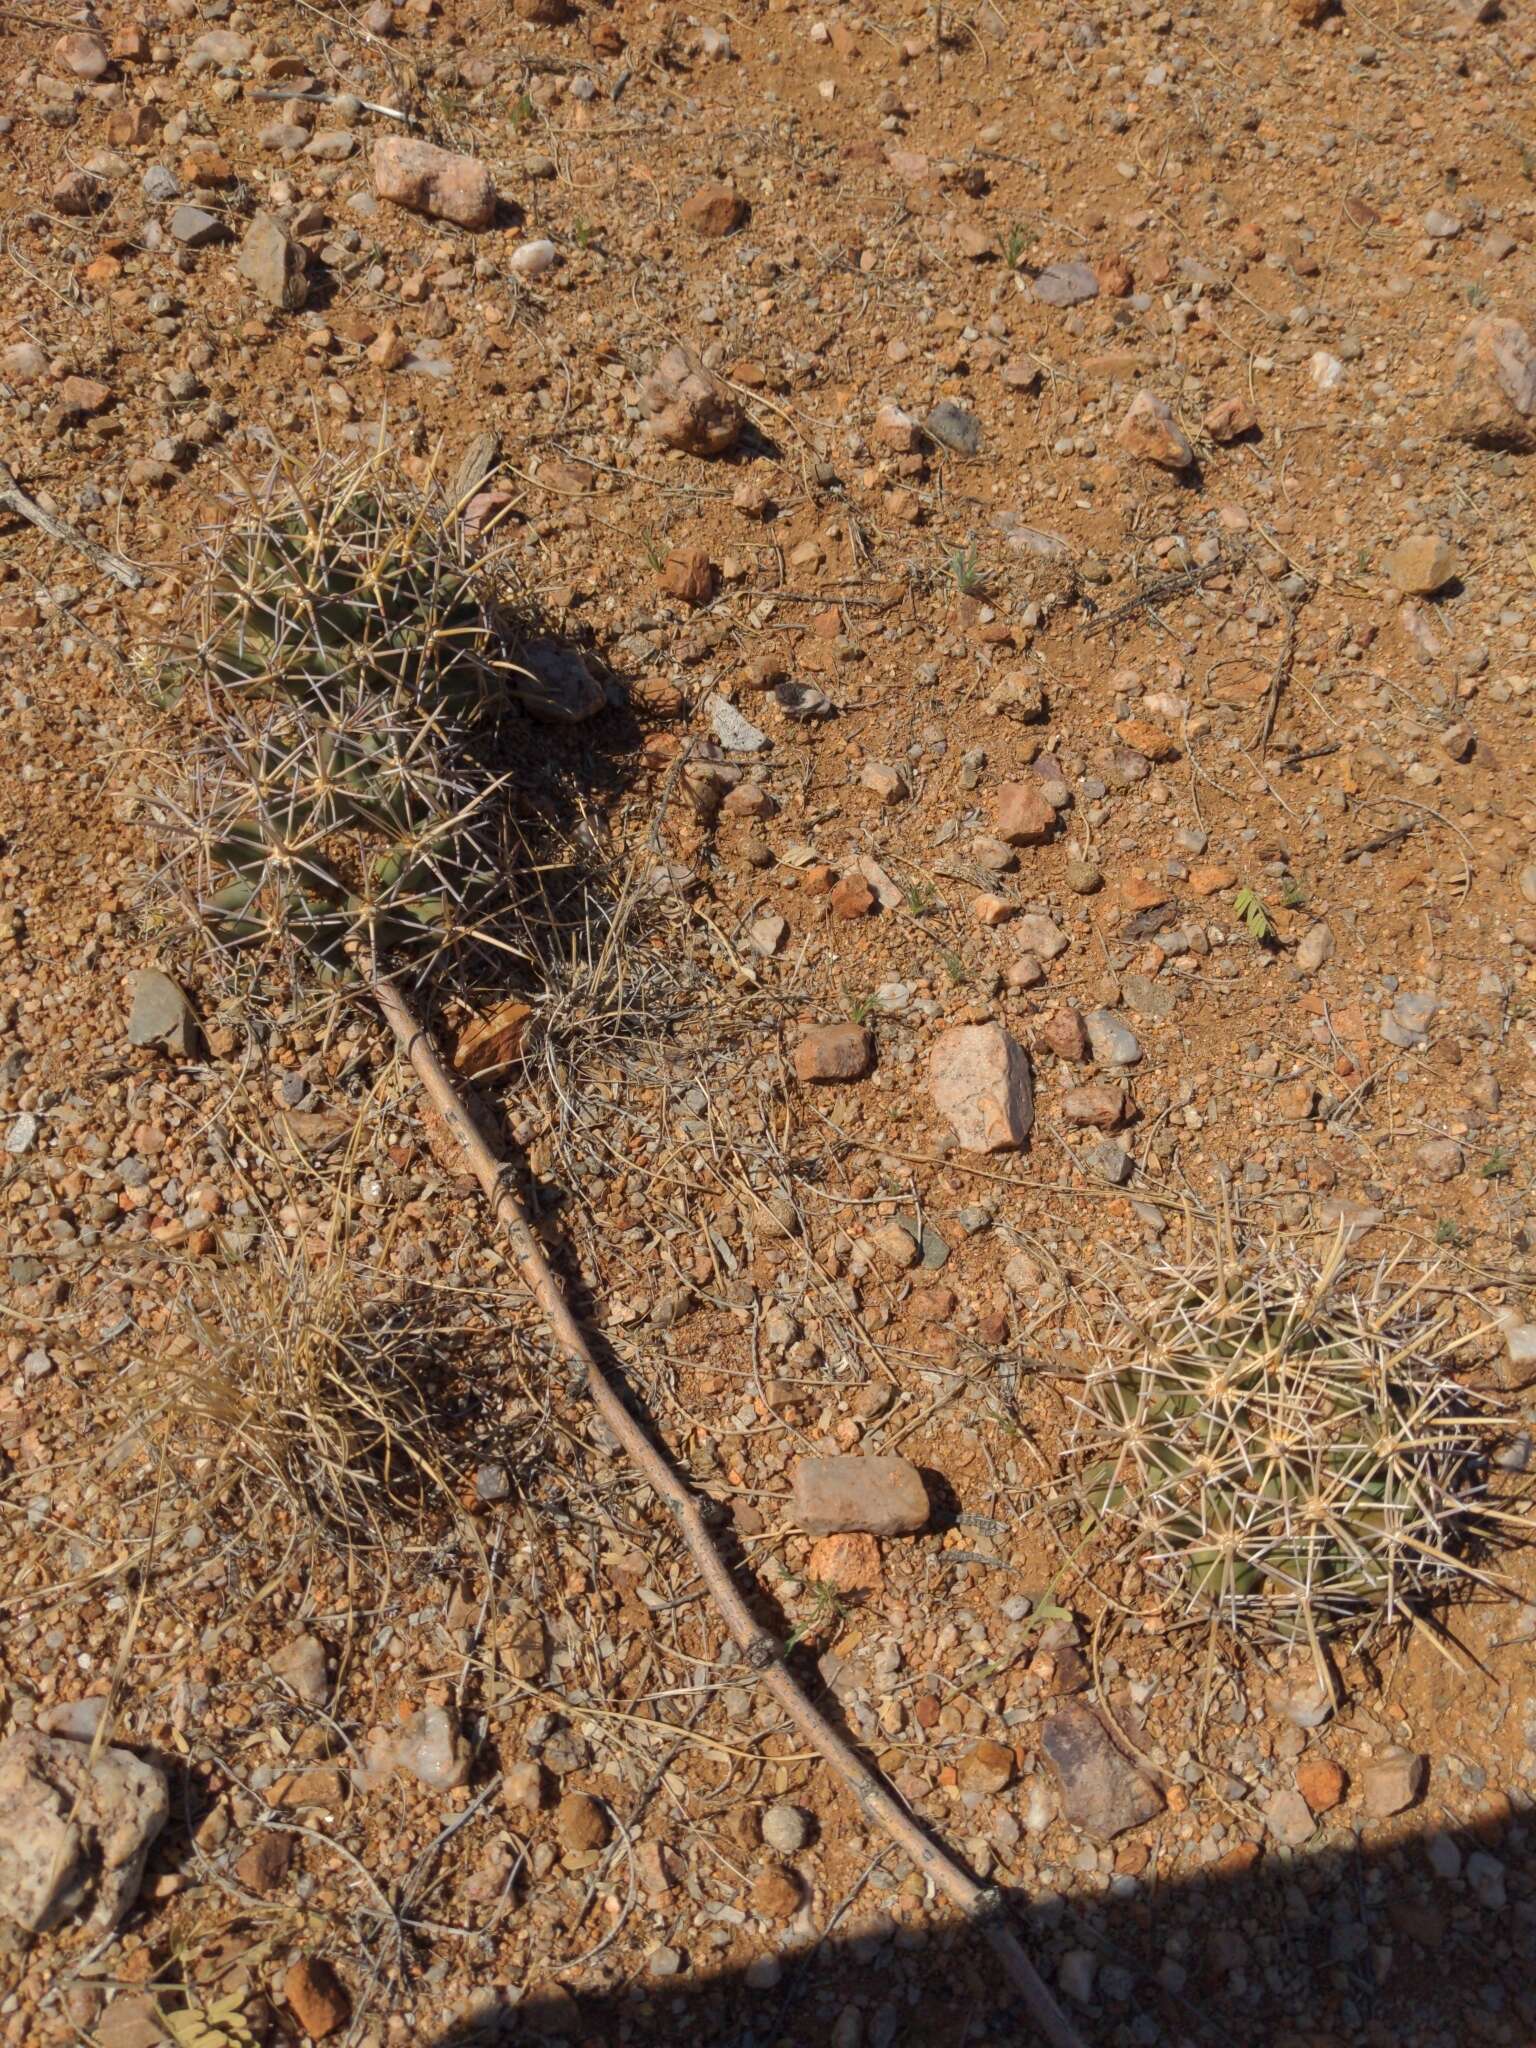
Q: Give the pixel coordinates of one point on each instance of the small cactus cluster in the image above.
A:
(350, 643)
(1283, 1449)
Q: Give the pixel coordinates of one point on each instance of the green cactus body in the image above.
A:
(349, 647)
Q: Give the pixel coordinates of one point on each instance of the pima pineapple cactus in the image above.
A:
(1286, 1451)
(350, 645)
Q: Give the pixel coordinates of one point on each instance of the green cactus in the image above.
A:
(1287, 1453)
(350, 644)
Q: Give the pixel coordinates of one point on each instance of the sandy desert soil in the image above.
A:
(939, 700)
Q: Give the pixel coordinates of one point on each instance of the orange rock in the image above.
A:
(1210, 881)
(318, 1997)
(689, 574)
(1321, 1782)
(849, 1562)
(1147, 738)
(714, 210)
(853, 897)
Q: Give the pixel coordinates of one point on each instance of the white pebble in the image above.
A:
(533, 259)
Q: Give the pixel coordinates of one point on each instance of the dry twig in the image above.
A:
(14, 499)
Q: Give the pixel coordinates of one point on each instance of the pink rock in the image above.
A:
(979, 1079)
(1491, 400)
(433, 181)
(82, 55)
(1150, 432)
(878, 1496)
(1023, 814)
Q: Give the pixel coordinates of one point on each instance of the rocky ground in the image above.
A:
(1054, 662)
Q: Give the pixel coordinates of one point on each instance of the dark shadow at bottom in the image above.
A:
(1428, 1944)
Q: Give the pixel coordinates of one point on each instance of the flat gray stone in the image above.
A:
(1113, 1041)
(1066, 284)
(736, 734)
(955, 428)
(195, 227)
(161, 1014)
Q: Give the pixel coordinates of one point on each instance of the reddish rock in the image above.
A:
(688, 574)
(82, 55)
(1101, 1791)
(1321, 1782)
(84, 395)
(834, 1052)
(1115, 276)
(875, 1496)
(1150, 432)
(437, 182)
(318, 1997)
(77, 193)
(714, 210)
(986, 1768)
(1230, 419)
(979, 1079)
(580, 1823)
(776, 1894)
(1022, 814)
(262, 1867)
(897, 430)
(1065, 1034)
(853, 897)
(1099, 1105)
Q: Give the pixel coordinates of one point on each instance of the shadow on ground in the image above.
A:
(1428, 1944)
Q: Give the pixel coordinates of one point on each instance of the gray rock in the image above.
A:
(1444, 1856)
(1392, 1782)
(429, 1745)
(1113, 1041)
(1519, 1353)
(195, 227)
(282, 135)
(274, 264)
(1289, 1818)
(22, 1134)
(1038, 935)
(1316, 947)
(1066, 284)
(1079, 1967)
(1110, 1160)
(1149, 997)
(955, 428)
(878, 1496)
(1101, 1792)
(159, 185)
(785, 1829)
(75, 1830)
(161, 1014)
(736, 734)
(331, 145)
(1413, 1014)
(221, 46)
(1485, 1880)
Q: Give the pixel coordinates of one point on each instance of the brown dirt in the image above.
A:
(1215, 665)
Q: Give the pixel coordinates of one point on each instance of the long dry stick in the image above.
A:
(982, 1905)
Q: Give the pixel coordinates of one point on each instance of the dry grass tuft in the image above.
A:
(1282, 1446)
(300, 1392)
